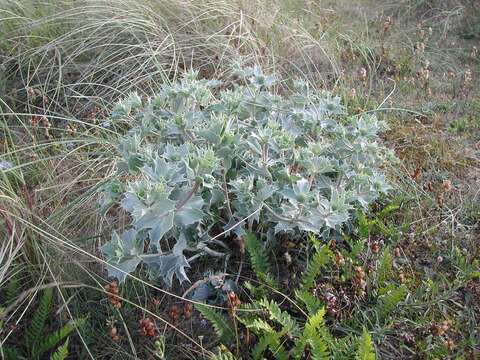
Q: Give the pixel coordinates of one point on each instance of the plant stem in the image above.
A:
(182, 203)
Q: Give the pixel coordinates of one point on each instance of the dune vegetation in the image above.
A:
(239, 179)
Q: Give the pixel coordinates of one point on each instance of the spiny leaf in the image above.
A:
(122, 254)
(169, 264)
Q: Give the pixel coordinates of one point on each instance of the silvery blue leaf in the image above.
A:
(163, 225)
(121, 269)
(334, 219)
(5, 165)
(171, 264)
(190, 213)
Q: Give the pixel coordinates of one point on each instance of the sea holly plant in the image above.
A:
(203, 162)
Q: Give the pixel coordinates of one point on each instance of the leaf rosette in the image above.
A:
(199, 162)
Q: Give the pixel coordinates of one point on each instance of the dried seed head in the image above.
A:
(147, 327)
(188, 310)
(114, 333)
(375, 247)
(233, 299)
(387, 24)
(424, 74)
(416, 173)
(339, 259)
(333, 244)
(420, 31)
(409, 338)
(45, 122)
(363, 74)
(174, 313)
(72, 129)
(450, 344)
(467, 78)
(420, 47)
(331, 301)
(34, 120)
(31, 92)
(474, 53)
(362, 284)
(447, 185)
(241, 244)
(360, 273)
(429, 186)
(112, 294)
(441, 199)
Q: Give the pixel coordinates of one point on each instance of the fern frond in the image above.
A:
(385, 266)
(61, 353)
(314, 335)
(221, 325)
(365, 350)
(341, 348)
(39, 319)
(289, 325)
(52, 340)
(269, 341)
(263, 344)
(259, 260)
(260, 326)
(10, 353)
(390, 300)
(13, 288)
(279, 352)
(269, 337)
(364, 225)
(321, 258)
(248, 312)
(250, 307)
(311, 302)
